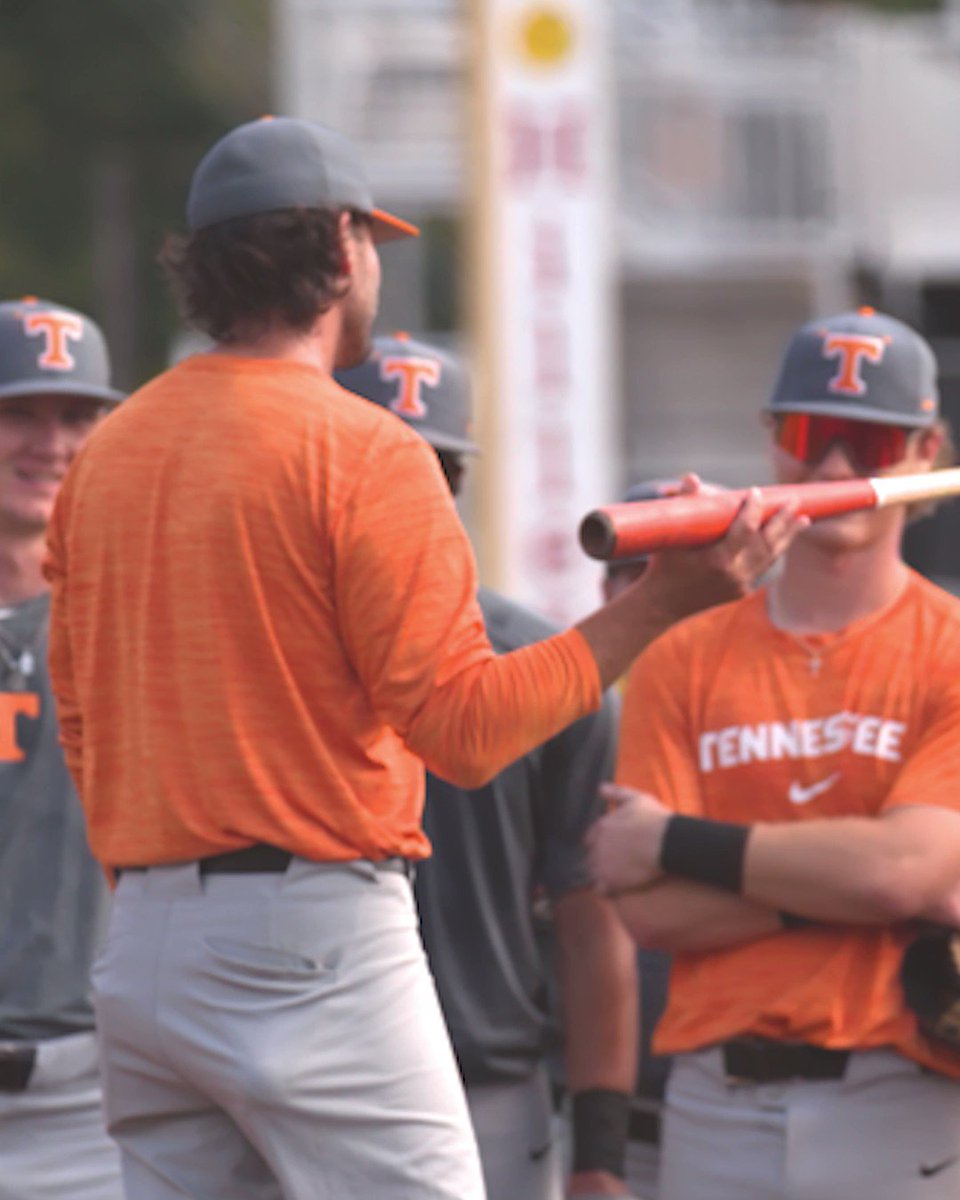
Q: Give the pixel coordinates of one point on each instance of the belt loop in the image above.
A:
(17, 1060)
(180, 879)
(401, 866)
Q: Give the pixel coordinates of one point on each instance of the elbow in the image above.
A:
(899, 891)
(465, 773)
(650, 929)
(464, 758)
(658, 937)
(470, 779)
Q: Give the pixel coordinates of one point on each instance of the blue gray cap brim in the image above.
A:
(445, 441)
(855, 412)
(62, 387)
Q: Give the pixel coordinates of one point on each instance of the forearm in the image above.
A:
(680, 916)
(858, 870)
(622, 629)
(596, 968)
(897, 866)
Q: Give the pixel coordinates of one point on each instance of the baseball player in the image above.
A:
(264, 621)
(803, 746)
(494, 848)
(54, 386)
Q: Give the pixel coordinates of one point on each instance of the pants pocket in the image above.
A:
(253, 961)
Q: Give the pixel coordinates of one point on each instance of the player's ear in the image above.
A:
(345, 243)
(929, 444)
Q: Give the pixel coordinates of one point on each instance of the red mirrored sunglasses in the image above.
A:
(872, 447)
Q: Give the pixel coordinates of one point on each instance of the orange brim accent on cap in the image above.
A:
(387, 227)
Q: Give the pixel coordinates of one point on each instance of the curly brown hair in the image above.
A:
(233, 280)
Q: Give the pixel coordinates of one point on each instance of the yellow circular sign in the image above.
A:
(546, 36)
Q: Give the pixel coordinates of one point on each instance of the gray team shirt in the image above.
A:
(494, 850)
(53, 897)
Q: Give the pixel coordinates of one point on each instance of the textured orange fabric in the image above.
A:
(264, 618)
(728, 717)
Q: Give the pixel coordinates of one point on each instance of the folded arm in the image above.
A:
(901, 865)
(683, 917)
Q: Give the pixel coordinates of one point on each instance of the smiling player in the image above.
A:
(54, 386)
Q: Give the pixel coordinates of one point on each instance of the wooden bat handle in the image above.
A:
(621, 531)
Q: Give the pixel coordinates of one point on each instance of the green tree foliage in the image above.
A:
(106, 107)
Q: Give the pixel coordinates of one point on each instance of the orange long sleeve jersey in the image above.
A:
(264, 619)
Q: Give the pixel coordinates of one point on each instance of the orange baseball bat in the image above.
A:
(621, 531)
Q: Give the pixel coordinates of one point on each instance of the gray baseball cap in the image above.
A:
(863, 365)
(425, 386)
(46, 347)
(650, 489)
(284, 162)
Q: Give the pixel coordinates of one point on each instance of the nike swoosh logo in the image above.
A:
(542, 1151)
(799, 794)
(926, 1171)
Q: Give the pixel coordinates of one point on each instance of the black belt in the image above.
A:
(264, 859)
(759, 1060)
(17, 1060)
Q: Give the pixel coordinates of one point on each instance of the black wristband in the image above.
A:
(708, 851)
(791, 920)
(600, 1122)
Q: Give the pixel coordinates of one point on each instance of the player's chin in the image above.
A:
(849, 531)
(27, 516)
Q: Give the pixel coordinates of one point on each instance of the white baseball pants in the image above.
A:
(53, 1143)
(519, 1138)
(278, 1037)
(887, 1131)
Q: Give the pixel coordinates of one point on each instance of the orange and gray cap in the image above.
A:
(863, 365)
(424, 385)
(48, 348)
(284, 162)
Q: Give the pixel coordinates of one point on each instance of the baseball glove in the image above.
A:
(930, 976)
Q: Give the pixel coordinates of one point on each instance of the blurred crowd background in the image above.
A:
(772, 159)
